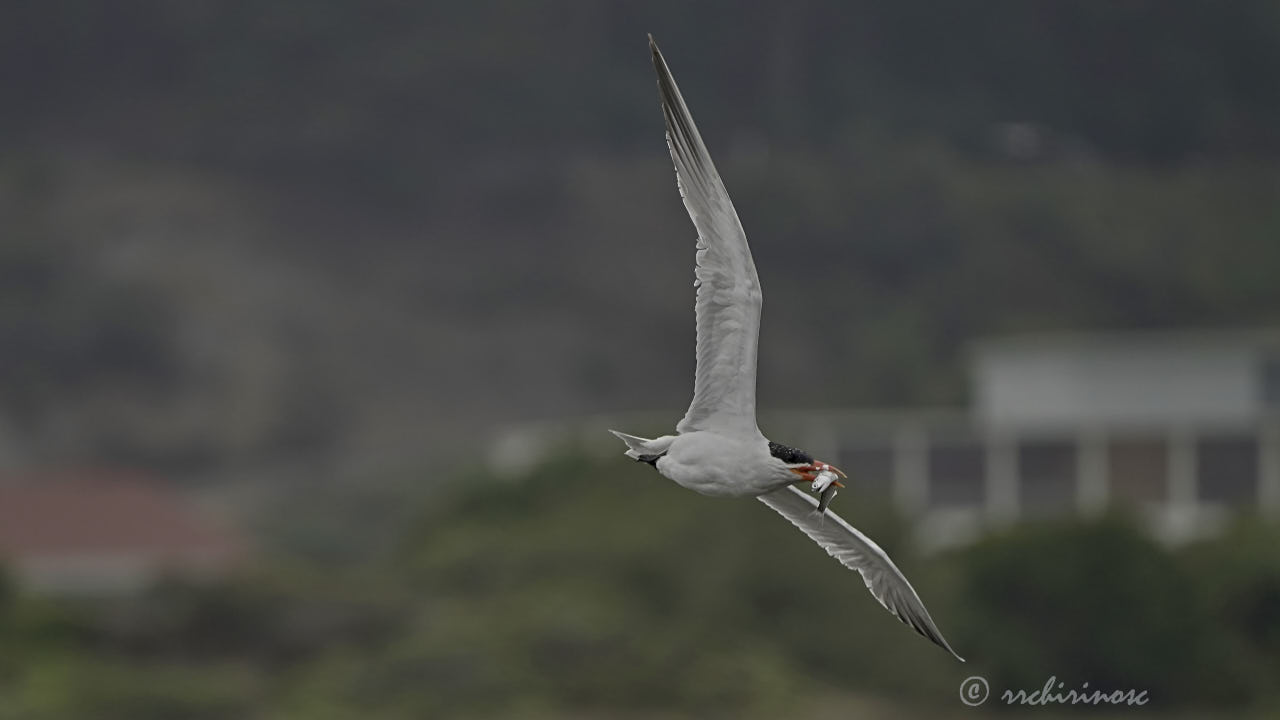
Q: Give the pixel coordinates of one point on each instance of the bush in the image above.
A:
(1101, 602)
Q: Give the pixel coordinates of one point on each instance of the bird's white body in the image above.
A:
(713, 464)
(718, 448)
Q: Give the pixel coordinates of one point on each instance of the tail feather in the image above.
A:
(638, 446)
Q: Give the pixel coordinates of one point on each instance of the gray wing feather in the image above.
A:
(857, 552)
(729, 299)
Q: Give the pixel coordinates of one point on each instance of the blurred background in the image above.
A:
(313, 317)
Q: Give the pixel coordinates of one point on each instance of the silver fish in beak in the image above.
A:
(825, 482)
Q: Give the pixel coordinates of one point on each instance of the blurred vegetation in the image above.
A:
(284, 240)
(277, 245)
(290, 87)
(594, 588)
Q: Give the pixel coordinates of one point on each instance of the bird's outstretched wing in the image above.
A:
(857, 552)
(728, 303)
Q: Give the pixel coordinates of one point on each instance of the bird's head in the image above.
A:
(802, 464)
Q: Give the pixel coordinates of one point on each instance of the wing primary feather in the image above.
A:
(728, 299)
(858, 552)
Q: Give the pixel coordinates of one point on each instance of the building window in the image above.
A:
(1271, 382)
(1138, 468)
(1227, 468)
(1047, 476)
(956, 472)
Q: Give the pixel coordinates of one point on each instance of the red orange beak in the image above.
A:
(808, 472)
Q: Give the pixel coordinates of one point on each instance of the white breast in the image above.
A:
(715, 464)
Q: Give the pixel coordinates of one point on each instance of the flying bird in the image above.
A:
(717, 448)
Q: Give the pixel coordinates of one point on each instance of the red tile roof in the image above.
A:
(89, 513)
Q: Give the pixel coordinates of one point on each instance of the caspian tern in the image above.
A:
(717, 448)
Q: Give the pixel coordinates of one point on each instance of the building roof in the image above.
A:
(1129, 340)
(94, 520)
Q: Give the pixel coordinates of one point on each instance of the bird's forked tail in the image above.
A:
(639, 448)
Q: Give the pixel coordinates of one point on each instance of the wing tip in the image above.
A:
(942, 643)
(930, 631)
(954, 654)
(659, 62)
(923, 625)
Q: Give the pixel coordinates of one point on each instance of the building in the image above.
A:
(106, 533)
(1181, 427)
(1127, 380)
(1185, 426)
